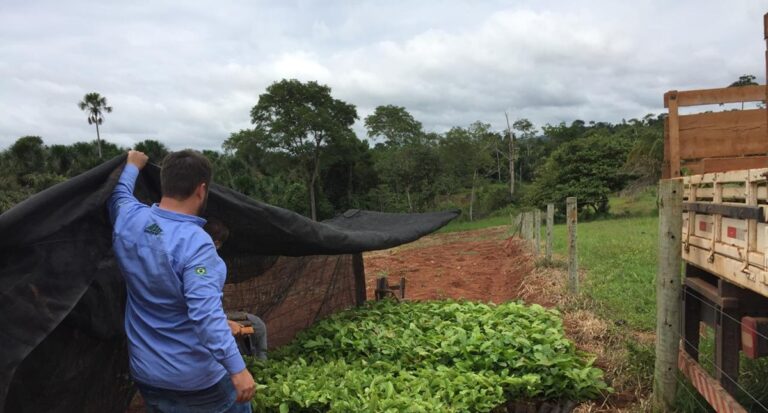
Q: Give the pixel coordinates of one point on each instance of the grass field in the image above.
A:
(478, 224)
(619, 258)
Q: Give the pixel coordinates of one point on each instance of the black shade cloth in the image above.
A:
(62, 345)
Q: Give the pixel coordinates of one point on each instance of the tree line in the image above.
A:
(301, 153)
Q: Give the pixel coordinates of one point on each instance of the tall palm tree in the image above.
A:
(94, 104)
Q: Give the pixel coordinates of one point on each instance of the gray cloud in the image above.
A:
(188, 73)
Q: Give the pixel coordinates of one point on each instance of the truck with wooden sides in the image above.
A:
(721, 155)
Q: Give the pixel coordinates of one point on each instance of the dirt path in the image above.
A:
(477, 265)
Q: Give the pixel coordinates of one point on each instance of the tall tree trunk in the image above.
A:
(98, 138)
(472, 196)
(313, 180)
(511, 164)
(498, 165)
(408, 197)
(349, 187)
(312, 209)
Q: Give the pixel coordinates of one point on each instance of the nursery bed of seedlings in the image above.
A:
(435, 356)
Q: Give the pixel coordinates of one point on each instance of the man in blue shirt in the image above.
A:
(182, 355)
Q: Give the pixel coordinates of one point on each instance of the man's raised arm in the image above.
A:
(122, 195)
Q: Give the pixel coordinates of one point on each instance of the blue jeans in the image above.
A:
(219, 398)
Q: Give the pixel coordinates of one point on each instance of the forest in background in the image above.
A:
(303, 154)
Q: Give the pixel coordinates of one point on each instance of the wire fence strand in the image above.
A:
(735, 381)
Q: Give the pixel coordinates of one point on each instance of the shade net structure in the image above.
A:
(62, 297)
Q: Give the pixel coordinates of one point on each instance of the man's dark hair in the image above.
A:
(217, 230)
(182, 172)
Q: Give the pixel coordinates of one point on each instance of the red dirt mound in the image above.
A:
(479, 265)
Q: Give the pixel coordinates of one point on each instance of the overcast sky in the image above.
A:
(188, 72)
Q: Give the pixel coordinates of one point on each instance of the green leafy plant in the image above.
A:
(440, 356)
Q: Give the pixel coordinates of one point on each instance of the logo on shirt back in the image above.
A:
(153, 229)
(201, 271)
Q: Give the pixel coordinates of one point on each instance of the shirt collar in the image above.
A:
(176, 216)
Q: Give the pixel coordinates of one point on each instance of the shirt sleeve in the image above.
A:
(122, 199)
(203, 278)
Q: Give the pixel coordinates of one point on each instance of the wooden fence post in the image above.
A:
(527, 224)
(537, 231)
(526, 236)
(550, 224)
(519, 225)
(573, 258)
(668, 291)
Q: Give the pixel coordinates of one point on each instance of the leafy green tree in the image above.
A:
(27, 155)
(526, 161)
(348, 173)
(645, 158)
(410, 170)
(95, 106)
(301, 119)
(467, 156)
(589, 168)
(155, 150)
(744, 80)
(394, 124)
(86, 155)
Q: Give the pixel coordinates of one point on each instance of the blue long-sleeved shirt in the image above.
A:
(178, 337)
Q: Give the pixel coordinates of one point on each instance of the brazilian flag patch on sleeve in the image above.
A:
(201, 271)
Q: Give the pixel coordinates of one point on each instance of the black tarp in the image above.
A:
(62, 296)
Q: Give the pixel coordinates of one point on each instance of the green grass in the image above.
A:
(456, 226)
(619, 256)
(640, 204)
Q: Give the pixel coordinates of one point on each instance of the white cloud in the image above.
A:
(189, 73)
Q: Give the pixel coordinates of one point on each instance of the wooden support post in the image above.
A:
(381, 288)
(527, 226)
(537, 231)
(358, 267)
(524, 225)
(691, 317)
(573, 258)
(550, 224)
(668, 290)
(519, 225)
(727, 340)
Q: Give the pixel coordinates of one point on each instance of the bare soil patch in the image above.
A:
(476, 265)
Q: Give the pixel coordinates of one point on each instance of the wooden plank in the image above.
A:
(713, 393)
(732, 164)
(719, 134)
(755, 259)
(692, 167)
(765, 27)
(710, 292)
(731, 194)
(674, 137)
(752, 175)
(665, 173)
(754, 93)
(729, 269)
(727, 210)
